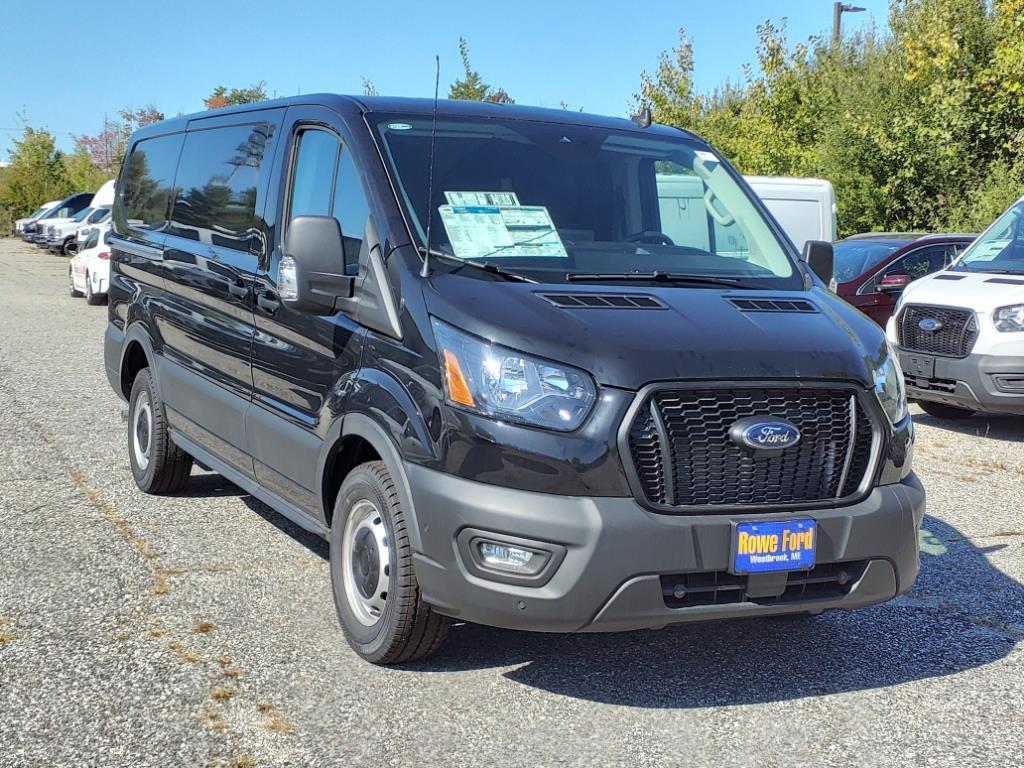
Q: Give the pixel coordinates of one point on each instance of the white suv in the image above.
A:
(960, 332)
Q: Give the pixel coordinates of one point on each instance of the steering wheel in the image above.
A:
(651, 237)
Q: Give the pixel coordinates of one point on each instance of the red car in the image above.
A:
(872, 269)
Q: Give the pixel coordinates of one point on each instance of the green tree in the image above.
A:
(920, 129)
(36, 173)
(222, 97)
(471, 87)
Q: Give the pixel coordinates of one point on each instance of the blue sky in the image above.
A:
(73, 65)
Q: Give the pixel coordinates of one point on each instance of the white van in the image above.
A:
(960, 332)
(805, 208)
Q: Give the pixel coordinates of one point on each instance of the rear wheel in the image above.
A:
(376, 594)
(90, 297)
(943, 411)
(158, 465)
(72, 291)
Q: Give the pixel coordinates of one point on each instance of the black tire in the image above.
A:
(167, 467)
(943, 411)
(69, 248)
(406, 628)
(90, 297)
(73, 292)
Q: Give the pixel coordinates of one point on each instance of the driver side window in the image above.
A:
(325, 183)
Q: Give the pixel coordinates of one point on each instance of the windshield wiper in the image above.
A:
(486, 266)
(656, 277)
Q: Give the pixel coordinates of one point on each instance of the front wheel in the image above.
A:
(943, 411)
(376, 594)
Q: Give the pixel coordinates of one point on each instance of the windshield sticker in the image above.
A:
(482, 198)
(478, 231)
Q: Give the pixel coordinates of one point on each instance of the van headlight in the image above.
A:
(890, 388)
(1008, 319)
(502, 383)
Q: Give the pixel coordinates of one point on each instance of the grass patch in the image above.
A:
(203, 627)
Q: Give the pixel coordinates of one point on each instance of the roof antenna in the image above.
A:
(644, 118)
(425, 269)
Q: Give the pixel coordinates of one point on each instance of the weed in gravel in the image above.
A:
(221, 692)
(6, 636)
(203, 627)
(183, 652)
(272, 719)
(241, 761)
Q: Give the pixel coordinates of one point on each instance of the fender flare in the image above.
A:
(361, 425)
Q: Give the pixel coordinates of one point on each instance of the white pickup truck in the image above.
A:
(62, 234)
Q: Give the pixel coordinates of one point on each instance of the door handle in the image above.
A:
(238, 289)
(268, 301)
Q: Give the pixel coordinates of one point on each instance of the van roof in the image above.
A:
(417, 106)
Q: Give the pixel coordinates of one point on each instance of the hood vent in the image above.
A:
(603, 300)
(799, 306)
(1005, 281)
(949, 277)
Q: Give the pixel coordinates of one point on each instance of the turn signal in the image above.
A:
(458, 389)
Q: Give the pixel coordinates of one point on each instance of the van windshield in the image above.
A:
(556, 202)
(1000, 249)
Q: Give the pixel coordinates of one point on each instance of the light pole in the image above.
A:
(838, 9)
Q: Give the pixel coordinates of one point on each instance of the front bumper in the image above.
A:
(988, 383)
(609, 574)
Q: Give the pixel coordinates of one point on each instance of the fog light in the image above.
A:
(509, 558)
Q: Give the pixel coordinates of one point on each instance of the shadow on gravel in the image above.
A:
(1009, 429)
(310, 541)
(962, 613)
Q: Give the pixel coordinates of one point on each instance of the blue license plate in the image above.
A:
(763, 547)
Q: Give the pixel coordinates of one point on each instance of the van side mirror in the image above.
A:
(818, 255)
(311, 277)
(893, 284)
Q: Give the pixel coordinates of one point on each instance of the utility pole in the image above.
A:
(838, 9)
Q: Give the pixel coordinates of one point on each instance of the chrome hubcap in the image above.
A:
(142, 430)
(367, 567)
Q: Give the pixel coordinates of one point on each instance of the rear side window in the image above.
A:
(146, 184)
(94, 237)
(325, 182)
(217, 180)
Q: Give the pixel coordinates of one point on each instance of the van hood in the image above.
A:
(978, 291)
(695, 333)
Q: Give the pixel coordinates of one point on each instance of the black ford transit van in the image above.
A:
(506, 378)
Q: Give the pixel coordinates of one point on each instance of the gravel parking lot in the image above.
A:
(199, 629)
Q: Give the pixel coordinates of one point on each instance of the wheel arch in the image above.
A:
(354, 439)
(136, 354)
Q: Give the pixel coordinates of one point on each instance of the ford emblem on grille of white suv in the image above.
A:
(929, 324)
(764, 434)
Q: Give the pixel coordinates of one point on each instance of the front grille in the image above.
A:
(684, 457)
(954, 337)
(690, 590)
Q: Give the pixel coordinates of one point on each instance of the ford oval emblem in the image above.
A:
(764, 434)
(929, 324)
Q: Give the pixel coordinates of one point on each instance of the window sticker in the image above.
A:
(707, 157)
(477, 231)
(482, 198)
